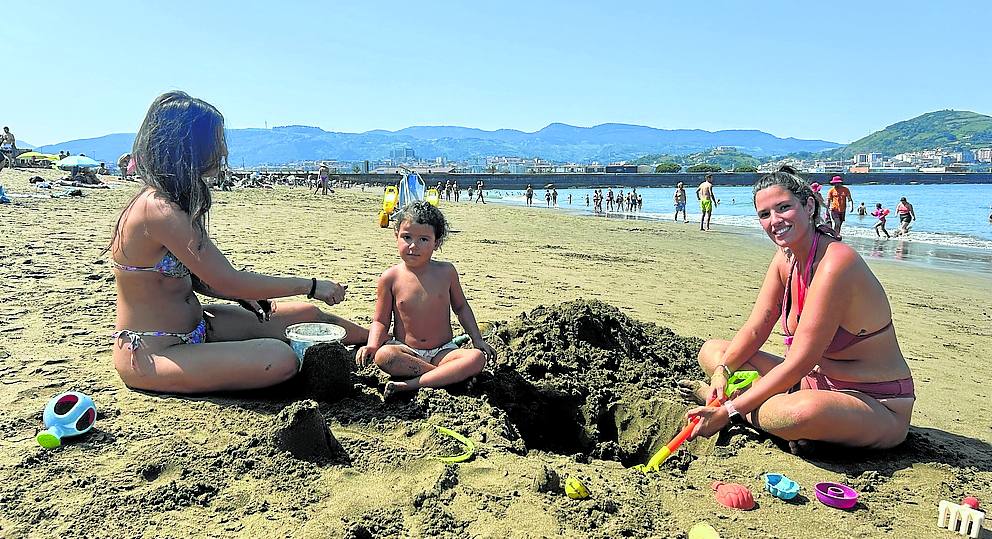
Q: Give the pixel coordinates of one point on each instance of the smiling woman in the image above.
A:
(843, 378)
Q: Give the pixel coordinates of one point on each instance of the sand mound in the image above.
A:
(582, 377)
(301, 431)
(326, 373)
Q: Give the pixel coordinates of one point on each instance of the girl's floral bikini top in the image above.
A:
(169, 266)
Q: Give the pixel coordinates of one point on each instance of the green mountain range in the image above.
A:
(948, 129)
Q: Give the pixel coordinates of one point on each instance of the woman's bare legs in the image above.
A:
(844, 417)
(233, 323)
(241, 352)
(452, 366)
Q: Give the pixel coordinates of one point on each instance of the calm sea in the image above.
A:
(952, 228)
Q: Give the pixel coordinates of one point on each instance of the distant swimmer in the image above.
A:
(680, 202)
(838, 198)
(707, 199)
(862, 210)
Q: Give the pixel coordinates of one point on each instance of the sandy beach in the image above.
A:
(176, 466)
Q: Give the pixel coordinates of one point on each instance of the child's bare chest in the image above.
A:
(413, 294)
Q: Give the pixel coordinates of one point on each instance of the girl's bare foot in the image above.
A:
(693, 390)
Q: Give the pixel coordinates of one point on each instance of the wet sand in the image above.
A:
(171, 466)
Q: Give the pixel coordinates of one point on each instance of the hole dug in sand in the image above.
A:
(583, 377)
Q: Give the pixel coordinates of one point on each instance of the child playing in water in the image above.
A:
(880, 225)
(418, 295)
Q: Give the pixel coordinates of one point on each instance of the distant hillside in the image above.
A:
(949, 129)
(726, 159)
(558, 142)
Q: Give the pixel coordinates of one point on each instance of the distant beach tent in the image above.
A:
(411, 188)
(38, 155)
(80, 161)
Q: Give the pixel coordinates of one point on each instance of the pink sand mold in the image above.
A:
(836, 495)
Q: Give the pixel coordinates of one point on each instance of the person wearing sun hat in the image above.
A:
(838, 197)
(823, 204)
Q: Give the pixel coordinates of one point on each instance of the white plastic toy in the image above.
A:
(960, 518)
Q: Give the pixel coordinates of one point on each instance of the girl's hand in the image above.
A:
(261, 308)
(711, 420)
(330, 292)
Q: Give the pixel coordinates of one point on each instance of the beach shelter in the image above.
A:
(80, 161)
(38, 155)
(411, 188)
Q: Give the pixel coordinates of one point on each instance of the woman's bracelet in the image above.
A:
(726, 370)
(313, 288)
(731, 409)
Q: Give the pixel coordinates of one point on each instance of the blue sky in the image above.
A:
(836, 71)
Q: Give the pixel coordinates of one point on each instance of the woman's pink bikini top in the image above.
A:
(843, 339)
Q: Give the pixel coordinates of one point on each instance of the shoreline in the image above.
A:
(906, 249)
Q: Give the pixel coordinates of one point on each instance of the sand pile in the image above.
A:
(583, 377)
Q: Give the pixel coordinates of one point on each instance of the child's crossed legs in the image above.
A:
(446, 367)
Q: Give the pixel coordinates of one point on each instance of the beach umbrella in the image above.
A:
(38, 155)
(78, 161)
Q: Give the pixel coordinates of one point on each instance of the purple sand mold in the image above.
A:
(836, 495)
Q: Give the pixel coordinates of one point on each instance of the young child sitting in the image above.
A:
(417, 296)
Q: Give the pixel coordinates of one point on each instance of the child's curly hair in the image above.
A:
(424, 213)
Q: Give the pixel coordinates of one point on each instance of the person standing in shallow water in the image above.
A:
(838, 197)
(843, 378)
(679, 200)
(906, 216)
(707, 199)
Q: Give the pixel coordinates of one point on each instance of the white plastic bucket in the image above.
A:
(307, 334)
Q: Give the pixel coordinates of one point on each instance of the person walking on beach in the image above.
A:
(554, 197)
(880, 214)
(529, 195)
(707, 199)
(906, 216)
(162, 257)
(323, 174)
(587, 200)
(609, 199)
(8, 146)
(478, 192)
(838, 197)
(547, 197)
(417, 296)
(843, 378)
(680, 199)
